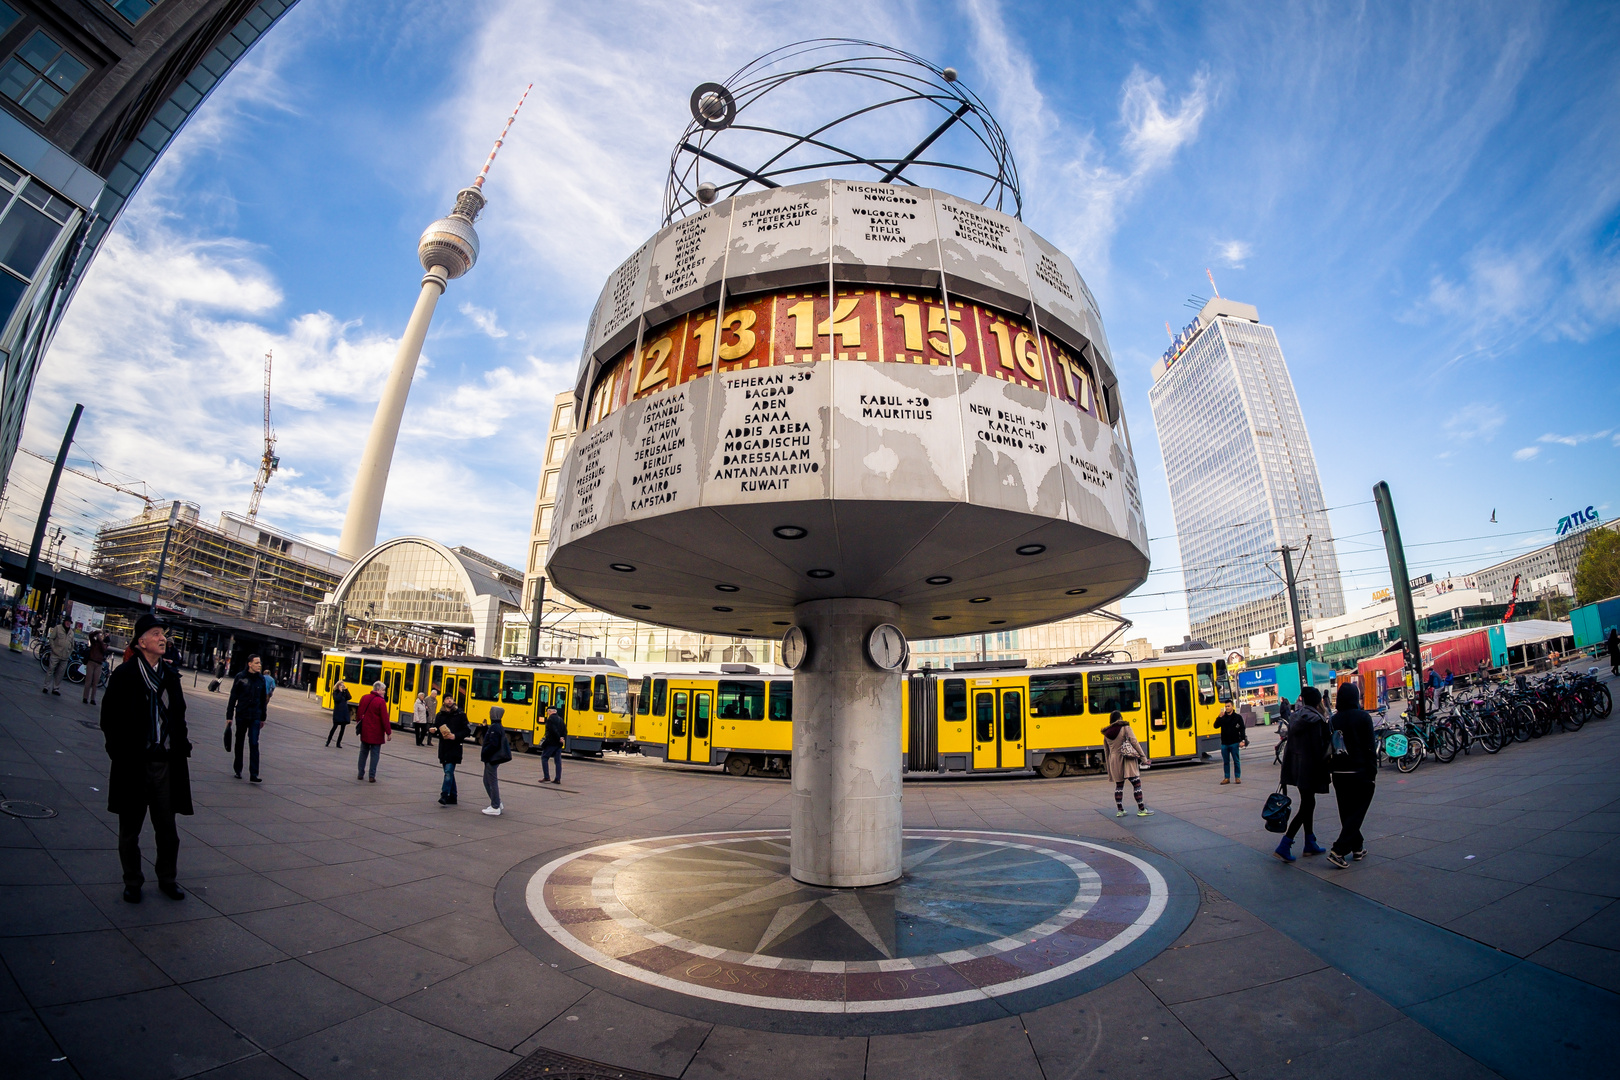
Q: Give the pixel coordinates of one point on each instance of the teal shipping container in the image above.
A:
(1593, 622)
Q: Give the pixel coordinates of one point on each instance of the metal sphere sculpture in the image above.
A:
(733, 143)
(452, 242)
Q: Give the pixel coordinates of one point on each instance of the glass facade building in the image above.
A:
(1242, 477)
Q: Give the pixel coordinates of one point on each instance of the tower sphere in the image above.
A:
(451, 242)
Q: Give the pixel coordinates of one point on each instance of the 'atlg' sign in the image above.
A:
(1580, 519)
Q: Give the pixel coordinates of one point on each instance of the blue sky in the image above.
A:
(1423, 202)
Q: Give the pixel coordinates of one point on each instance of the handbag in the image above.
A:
(504, 754)
(227, 735)
(1275, 812)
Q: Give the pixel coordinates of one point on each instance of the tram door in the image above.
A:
(689, 714)
(998, 728)
(1170, 717)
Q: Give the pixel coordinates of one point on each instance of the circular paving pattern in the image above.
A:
(978, 915)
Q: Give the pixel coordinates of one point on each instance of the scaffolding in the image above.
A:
(238, 567)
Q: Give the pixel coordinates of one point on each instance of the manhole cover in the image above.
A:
(23, 809)
(550, 1065)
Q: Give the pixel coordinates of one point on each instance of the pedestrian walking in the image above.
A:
(453, 728)
(1355, 776)
(1125, 760)
(340, 712)
(497, 751)
(421, 715)
(61, 649)
(1305, 766)
(1233, 739)
(95, 654)
(143, 717)
(1284, 711)
(374, 729)
(247, 709)
(1614, 651)
(551, 747)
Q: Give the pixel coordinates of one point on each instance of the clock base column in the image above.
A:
(846, 749)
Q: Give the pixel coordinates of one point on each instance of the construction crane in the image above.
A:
(269, 463)
(143, 493)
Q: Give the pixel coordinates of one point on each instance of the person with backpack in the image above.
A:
(1125, 758)
(1305, 766)
(453, 728)
(551, 747)
(1355, 774)
(1233, 739)
(497, 751)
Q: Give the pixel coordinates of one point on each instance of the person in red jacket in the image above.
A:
(374, 729)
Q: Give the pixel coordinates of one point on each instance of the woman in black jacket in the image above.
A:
(340, 712)
(1355, 775)
(453, 728)
(1305, 766)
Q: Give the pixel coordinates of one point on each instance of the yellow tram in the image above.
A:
(592, 697)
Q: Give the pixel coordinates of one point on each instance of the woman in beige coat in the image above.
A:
(1125, 758)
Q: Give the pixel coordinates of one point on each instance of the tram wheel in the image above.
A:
(1051, 766)
(739, 765)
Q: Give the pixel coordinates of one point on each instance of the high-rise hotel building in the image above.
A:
(1243, 480)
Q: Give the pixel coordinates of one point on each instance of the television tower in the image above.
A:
(448, 249)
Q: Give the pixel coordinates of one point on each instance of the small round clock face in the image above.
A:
(886, 645)
(795, 646)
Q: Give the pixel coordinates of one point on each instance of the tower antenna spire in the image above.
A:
(479, 182)
(1206, 269)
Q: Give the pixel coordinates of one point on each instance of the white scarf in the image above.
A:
(157, 732)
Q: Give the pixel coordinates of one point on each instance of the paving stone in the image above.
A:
(32, 867)
(1589, 963)
(1218, 918)
(1528, 919)
(736, 1054)
(303, 928)
(27, 1050)
(238, 893)
(1517, 865)
(998, 1050)
(47, 909)
(1436, 896)
(202, 948)
(384, 967)
(278, 1003)
(389, 1045)
(1250, 1029)
(459, 936)
(153, 1035)
(59, 968)
(1404, 1048)
(1564, 842)
(647, 1039)
(501, 1002)
(1209, 969)
(1120, 1029)
(1600, 877)
(258, 1067)
(323, 882)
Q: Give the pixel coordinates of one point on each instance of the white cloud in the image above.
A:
(1525, 453)
(483, 318)
(1573, 440)
(1477, 420)
(1234, 253)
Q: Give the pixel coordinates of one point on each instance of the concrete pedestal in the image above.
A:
(846, 749)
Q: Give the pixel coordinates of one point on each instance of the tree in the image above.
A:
(1597, 577)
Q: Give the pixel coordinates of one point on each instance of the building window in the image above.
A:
(29, 224)
(8, 17)
(132, 10)
(40, 76)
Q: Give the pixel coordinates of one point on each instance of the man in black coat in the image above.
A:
(250, 698)
(143, 717)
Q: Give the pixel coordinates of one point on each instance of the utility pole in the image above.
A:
(45, 515)
(163, 556)
(1401, 586)
(1293, 609)
(534, 620)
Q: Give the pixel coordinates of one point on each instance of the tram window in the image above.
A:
(393, 696)
(517, 688)
(677, 722)
(1012, 715)
(486, 684)
(370, 672)
(660, 689)
(582, 693)
(956, 700)
(1056, 695)
(781, 699)
(599, 694)
(700, 716)
(618, 693)
(437, 678)
(1110, 690)
(1206, 684)
(1222, 689)
(542, 699)
(644, 699)
(1156, 706)
(1183, 697)
(984, 717)
(410, 679)
(332, 675)
(351, 669)
(740, 700)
